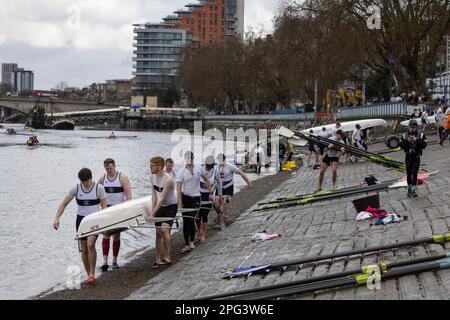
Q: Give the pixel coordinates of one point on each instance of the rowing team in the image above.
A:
(195, 185)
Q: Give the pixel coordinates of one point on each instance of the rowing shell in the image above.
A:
(124, 216)
(117, 218)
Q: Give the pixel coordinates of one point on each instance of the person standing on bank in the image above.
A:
(413, 143)
(118, 190)
(440, 123)
(259, 158)
(90, 197)
(281, 154)
(331, 158)
(189, 197)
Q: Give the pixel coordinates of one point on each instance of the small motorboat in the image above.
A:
(63, 125)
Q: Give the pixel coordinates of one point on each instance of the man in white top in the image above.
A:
(90, 198)
(169, 168)
(259, 152)
(425, 117)
(118, 189)
(357, 141)
(225, 176)
(206, 204)
(189, 197)
(334, 130)
(324, 134)
(331, 158)
(164, 210)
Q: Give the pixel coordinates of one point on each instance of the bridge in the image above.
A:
(26, 105)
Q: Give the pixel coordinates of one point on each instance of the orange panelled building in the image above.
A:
(210, 21)
(207, 24)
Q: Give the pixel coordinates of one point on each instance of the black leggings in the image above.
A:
(189, 227)
(206, 208)
(412, 169)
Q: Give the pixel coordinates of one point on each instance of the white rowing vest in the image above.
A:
(225, 174)
(211, 177)
(114, 190)
(171, 199)
(88, 202)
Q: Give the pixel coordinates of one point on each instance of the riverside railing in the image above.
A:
(376, 110)
(262, 117)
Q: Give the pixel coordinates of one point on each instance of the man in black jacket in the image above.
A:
(281, 154)
(413, 143)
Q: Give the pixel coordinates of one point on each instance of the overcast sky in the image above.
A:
(86, 41)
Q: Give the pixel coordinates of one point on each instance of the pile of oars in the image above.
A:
(328, 195)
(266, 268)
(364, 155)
(362, 276)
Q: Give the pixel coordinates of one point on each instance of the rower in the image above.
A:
(413, 143)
(202, 219)
(259, 158)
(357, 141)
(118, 189)
(112, 136)
(225, 176)
(189, 197)
(164, 205)
(169, 168)
(90, 197)
(331, 158)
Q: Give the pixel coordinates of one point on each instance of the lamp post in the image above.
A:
(391, 71)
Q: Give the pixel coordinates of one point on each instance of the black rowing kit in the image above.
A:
(413, 151)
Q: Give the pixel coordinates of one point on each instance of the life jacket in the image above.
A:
(447, 122)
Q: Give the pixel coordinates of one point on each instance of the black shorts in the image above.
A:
(79, 219)
(329, 160)
(206, 208)
(77, 226)
(312, 148)
(321, 151)
(228, 191)
(166, 212)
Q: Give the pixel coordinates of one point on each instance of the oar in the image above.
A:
(440, 239)
(320, 193)
(362, 279)
(329, 196)
(368, 269)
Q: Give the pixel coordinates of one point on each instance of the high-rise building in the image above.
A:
(23, 80)
(8, 75)
(159, 45)
(17, 79)
(157, 56)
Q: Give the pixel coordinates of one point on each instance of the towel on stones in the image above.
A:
(264, 236)
(364, 215)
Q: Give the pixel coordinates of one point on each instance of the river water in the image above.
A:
(35, 258)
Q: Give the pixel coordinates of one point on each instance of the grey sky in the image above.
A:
(86, 41)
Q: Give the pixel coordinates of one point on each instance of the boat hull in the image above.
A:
(115, 219)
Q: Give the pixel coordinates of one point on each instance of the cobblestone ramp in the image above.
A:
(317, 229)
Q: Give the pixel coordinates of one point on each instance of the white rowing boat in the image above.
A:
(117, 218)
(122, 217)
(345, 126)
(430, 120)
